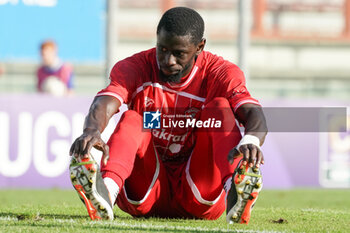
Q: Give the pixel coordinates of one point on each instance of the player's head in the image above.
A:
(48, 52)
(182, 21)
(179, 41)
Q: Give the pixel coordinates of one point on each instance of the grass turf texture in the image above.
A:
(300, 210)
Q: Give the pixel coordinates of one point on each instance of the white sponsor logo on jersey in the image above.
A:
(162, 134)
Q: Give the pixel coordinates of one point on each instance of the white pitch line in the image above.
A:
(146, 226)
(7, 218)
(325, 211)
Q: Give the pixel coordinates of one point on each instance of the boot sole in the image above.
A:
(248, 183)
(83, 176)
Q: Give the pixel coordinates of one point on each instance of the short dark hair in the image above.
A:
(182, 21)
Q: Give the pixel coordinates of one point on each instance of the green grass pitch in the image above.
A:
(299, 210)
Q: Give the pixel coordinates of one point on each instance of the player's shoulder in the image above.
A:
(133, 67)
(216, 64)
(140, 58)
(140, 62)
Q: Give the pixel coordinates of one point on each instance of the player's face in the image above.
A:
(176, 55)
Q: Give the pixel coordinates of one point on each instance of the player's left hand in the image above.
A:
(252, 155)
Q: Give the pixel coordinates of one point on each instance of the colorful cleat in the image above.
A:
(245, 188)
(87, 181)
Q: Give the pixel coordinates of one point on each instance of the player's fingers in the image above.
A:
(75, 147)
(105, 156)
(259, 158)
(232, 154)
(246, 154)
(80, 146)
(83, 145)
(262, 158)
(252, 155)
(71, 150)
(92, 142)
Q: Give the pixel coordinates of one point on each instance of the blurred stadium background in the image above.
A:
(297, 55)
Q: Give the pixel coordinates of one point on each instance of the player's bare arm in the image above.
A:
(253, 119)
(101, 111)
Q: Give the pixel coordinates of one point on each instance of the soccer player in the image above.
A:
(54, 76)
(194, 163)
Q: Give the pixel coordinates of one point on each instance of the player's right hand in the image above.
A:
(250, 153)
(81, 147)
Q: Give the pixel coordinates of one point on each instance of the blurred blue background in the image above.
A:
(77, 26)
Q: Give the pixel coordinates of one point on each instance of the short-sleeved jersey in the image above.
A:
(135, 81)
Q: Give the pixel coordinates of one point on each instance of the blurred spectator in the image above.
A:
(54, 76)
(2, 69)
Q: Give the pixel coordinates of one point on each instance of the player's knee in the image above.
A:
(218, 108)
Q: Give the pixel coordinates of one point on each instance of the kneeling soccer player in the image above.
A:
(193, 162)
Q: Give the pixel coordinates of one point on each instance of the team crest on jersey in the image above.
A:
(151, 120)
(148, 102)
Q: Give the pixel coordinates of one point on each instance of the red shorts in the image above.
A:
(191, 189)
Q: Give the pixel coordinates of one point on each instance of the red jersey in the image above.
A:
(135, 81)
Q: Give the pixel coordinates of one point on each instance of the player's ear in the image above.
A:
(200, 46)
